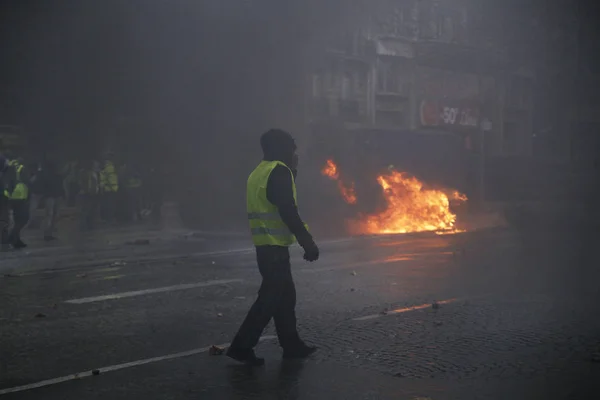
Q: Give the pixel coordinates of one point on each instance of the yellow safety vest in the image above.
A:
(21, 191)
(266, 225)
(109, 180)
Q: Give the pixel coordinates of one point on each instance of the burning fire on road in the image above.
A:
(330, 170)
(410, 207)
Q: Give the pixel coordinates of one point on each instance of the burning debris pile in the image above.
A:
(410, 207)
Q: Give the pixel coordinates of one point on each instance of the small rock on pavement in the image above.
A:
(96, 372)
(40, 315)
(219, 315)
(216, 351)
(81, 275)
(139, 242)
(352, 289)
(438, 323)
(353, 273)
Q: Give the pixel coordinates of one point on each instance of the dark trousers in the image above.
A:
(276, 299)
(108, 210)
(4, 220)
(88, 209)
(20, 209)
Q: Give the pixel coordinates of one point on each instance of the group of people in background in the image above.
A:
(101, 190)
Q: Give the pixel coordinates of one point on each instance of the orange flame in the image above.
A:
(330, 170)
(347, 191)
(410, 207)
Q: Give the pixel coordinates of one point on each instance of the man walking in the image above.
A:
(275, 225)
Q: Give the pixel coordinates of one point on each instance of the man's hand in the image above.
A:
(311, 252)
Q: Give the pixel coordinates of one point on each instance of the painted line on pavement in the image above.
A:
(122, 295)
(403, 310)
(87, 374)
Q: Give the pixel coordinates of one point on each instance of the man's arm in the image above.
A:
(280, 193)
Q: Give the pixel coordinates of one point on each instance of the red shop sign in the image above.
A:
(434, 113)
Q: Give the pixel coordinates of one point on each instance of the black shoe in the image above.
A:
(19, 244)
(299, 352)
(245, 356)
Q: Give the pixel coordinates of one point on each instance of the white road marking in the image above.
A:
(122, 295)
(87, 374)
(403, 310)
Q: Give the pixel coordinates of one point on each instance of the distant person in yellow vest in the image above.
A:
(275, 225)
(109, 187)
(18, 202)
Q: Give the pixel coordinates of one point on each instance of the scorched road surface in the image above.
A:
(491, 314)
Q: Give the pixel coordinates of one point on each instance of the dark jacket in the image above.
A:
(280, 193)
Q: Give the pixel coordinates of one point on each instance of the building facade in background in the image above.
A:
(434, 84)
(426, 66)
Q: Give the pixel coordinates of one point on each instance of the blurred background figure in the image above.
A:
(17, 194)
(89, 189)
(50, 186)
(70, 183)
(4, 209)
(109, 188)
(132, 194)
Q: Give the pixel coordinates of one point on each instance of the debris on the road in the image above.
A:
(219, 315)
(213, 263)
(399, 375)
(96, 372)
(55, 306)
(352, 289)
(139, 242)
(216, 351)
(435, 305)
(118, 264)
(82, 275)
(438, 323)
(40, 315)
(384, 312)
(353, 273)
(240, 297)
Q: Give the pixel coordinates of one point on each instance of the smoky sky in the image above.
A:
(189, 68)
(182, 65)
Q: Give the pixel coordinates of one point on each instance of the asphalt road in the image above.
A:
(516, 316)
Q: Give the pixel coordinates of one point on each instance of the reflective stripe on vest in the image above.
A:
(109, 180)
(21, 192)
(266, 225)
